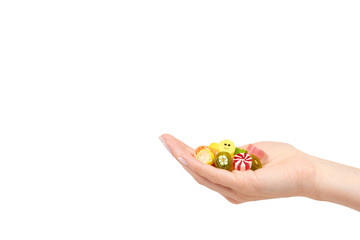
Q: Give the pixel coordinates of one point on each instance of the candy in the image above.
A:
(204, 155)
(242, 161)
(255, 151)
(226, 156)
(240, 150)
(256, 154)
(214, 147)
(256, 164)
(227, 146)
(224, 160)
(198, 149)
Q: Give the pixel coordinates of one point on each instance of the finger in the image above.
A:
(183, 152)
(214, 175)
(176, 152)
(225, 191)
(233, 201)
(176, 147)
(170, 139)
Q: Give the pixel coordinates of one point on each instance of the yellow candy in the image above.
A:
(227, 146)
(214, 147)
(205, 156)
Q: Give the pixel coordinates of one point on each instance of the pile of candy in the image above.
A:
(226, 156)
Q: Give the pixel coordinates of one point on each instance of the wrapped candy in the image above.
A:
(224, 160)
(242, 161)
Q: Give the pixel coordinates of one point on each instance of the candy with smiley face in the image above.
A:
(227, 146)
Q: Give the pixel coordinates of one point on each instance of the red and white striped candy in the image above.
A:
(242, 161)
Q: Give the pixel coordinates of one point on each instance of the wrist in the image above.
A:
(334, 182)
(307, 182)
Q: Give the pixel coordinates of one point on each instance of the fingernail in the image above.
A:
(165, 145)
(182, 160)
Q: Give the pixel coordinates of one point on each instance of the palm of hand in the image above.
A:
(284, 173)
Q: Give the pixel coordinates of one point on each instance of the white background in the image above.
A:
(86, 88)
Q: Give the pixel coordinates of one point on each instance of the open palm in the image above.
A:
(286, 172)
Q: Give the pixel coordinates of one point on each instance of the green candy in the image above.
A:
(256, 164)
(224, 160)
(239, 150)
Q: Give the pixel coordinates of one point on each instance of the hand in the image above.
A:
(286, 172)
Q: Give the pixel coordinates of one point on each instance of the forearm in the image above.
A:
(337, 183)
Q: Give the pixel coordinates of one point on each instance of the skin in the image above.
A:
(286, 172)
